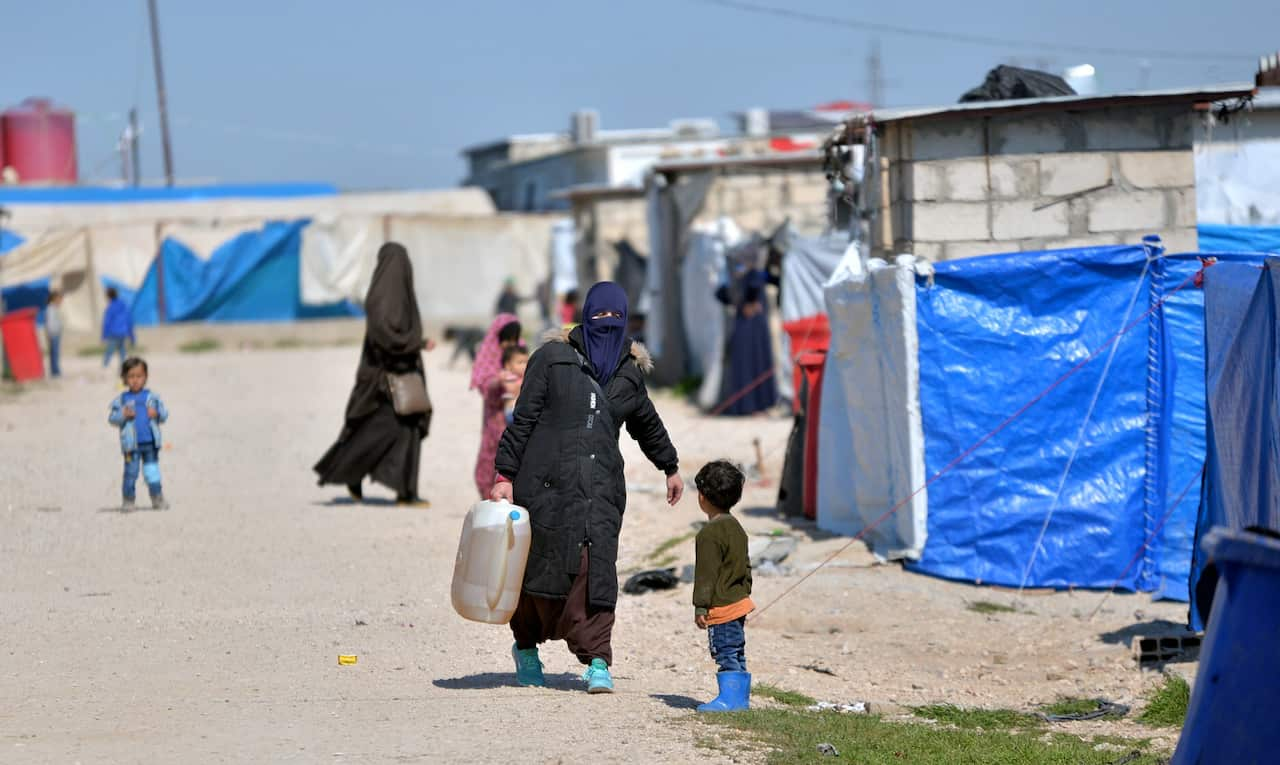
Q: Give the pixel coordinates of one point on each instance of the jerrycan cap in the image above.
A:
(515, 515)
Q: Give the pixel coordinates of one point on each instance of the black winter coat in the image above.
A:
(561, 453)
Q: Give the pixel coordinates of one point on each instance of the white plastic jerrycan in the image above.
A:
(492, 555)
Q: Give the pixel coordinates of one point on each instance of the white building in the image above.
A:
(526, 172)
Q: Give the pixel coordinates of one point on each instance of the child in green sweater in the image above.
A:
(722, 583)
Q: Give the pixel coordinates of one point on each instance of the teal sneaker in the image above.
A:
(597, 677)
(528, 667)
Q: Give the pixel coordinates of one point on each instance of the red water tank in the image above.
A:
(40, 142)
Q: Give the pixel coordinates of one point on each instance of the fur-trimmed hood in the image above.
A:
(639, 353)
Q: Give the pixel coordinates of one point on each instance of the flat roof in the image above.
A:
(1208, 93)
(598, 191)
(788, 159)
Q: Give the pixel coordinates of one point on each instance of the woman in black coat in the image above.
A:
(560, 459)
(375, 441)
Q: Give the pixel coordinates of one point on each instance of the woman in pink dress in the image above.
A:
(486, 378)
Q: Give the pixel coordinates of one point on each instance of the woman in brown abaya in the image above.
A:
(375, 441)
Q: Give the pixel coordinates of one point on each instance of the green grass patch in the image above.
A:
(287, 343)
(1074, 706)
(986, 719)
(661, 552)
(793, 737)
(202, 345)
(781, 695)
(1167, 705)
(987, 607)
(98, 351)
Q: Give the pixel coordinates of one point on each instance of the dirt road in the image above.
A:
(210, 632)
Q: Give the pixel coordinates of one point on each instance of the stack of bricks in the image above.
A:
(959, 188)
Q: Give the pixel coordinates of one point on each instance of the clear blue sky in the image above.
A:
(385, 94)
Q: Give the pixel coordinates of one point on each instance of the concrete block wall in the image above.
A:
(761, 199)
(1010, 183)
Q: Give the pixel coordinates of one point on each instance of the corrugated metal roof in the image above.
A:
(1066, 103)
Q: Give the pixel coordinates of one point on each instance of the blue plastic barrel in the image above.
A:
(1231, 718)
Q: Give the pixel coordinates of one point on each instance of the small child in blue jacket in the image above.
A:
(117, 327)
(138, 413)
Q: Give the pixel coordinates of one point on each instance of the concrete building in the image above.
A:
(533, 172)
(1008, 176)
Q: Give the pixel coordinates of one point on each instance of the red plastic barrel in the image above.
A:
(811, 364)
(21, 347)
(812, 333)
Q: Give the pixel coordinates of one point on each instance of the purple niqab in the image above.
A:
(605, 337)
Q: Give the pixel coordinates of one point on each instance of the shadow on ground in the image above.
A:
(492, 680)
(676, 701)
(1151, 628)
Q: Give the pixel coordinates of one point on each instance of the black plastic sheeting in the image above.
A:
(1009, 82)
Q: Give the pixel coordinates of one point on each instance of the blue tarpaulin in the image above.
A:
(996, 331)
(35, 195)
(253, 277)
(1242, 340)
(1216, 238)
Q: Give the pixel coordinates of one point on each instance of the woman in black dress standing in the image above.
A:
(375, 441)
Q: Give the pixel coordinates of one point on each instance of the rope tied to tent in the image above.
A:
(984, 439)
(1149, 540)
(1080, 434)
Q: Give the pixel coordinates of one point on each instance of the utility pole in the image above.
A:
(875, 74)
(160, 95)
(134, 156)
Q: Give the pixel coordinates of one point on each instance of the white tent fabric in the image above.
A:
(871, 442)
(702, 272)
(451, 256)
(123, 253)
(337, 259)
(1236, 183)
(202, 238)
(806, 267)
(63, 258)
(564, 264)
(651, 300)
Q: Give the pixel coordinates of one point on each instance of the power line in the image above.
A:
(970, 39)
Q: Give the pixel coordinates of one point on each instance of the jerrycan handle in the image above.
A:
(499, 577)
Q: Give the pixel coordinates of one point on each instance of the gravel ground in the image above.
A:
(210, 632)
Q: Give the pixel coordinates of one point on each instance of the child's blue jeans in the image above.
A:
(146, 459)
(55, 352)
(728, 643)
(115, 346)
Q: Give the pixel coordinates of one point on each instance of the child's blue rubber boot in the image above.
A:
(597, 677)
(528, 667)
(735, 693)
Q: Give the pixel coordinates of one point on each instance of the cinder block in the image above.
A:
(1034, 134)
(808, 193)
(957, 250)
(1093, 240)
(965, 180)
(1184, 206)
(1018, 219)
(923, 181)
(948, 221)
(928, 250)
(1014, 179)
(1180, 240)
(948, 139)
(1062, 174)
(1127, 211)
(1157, 169)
